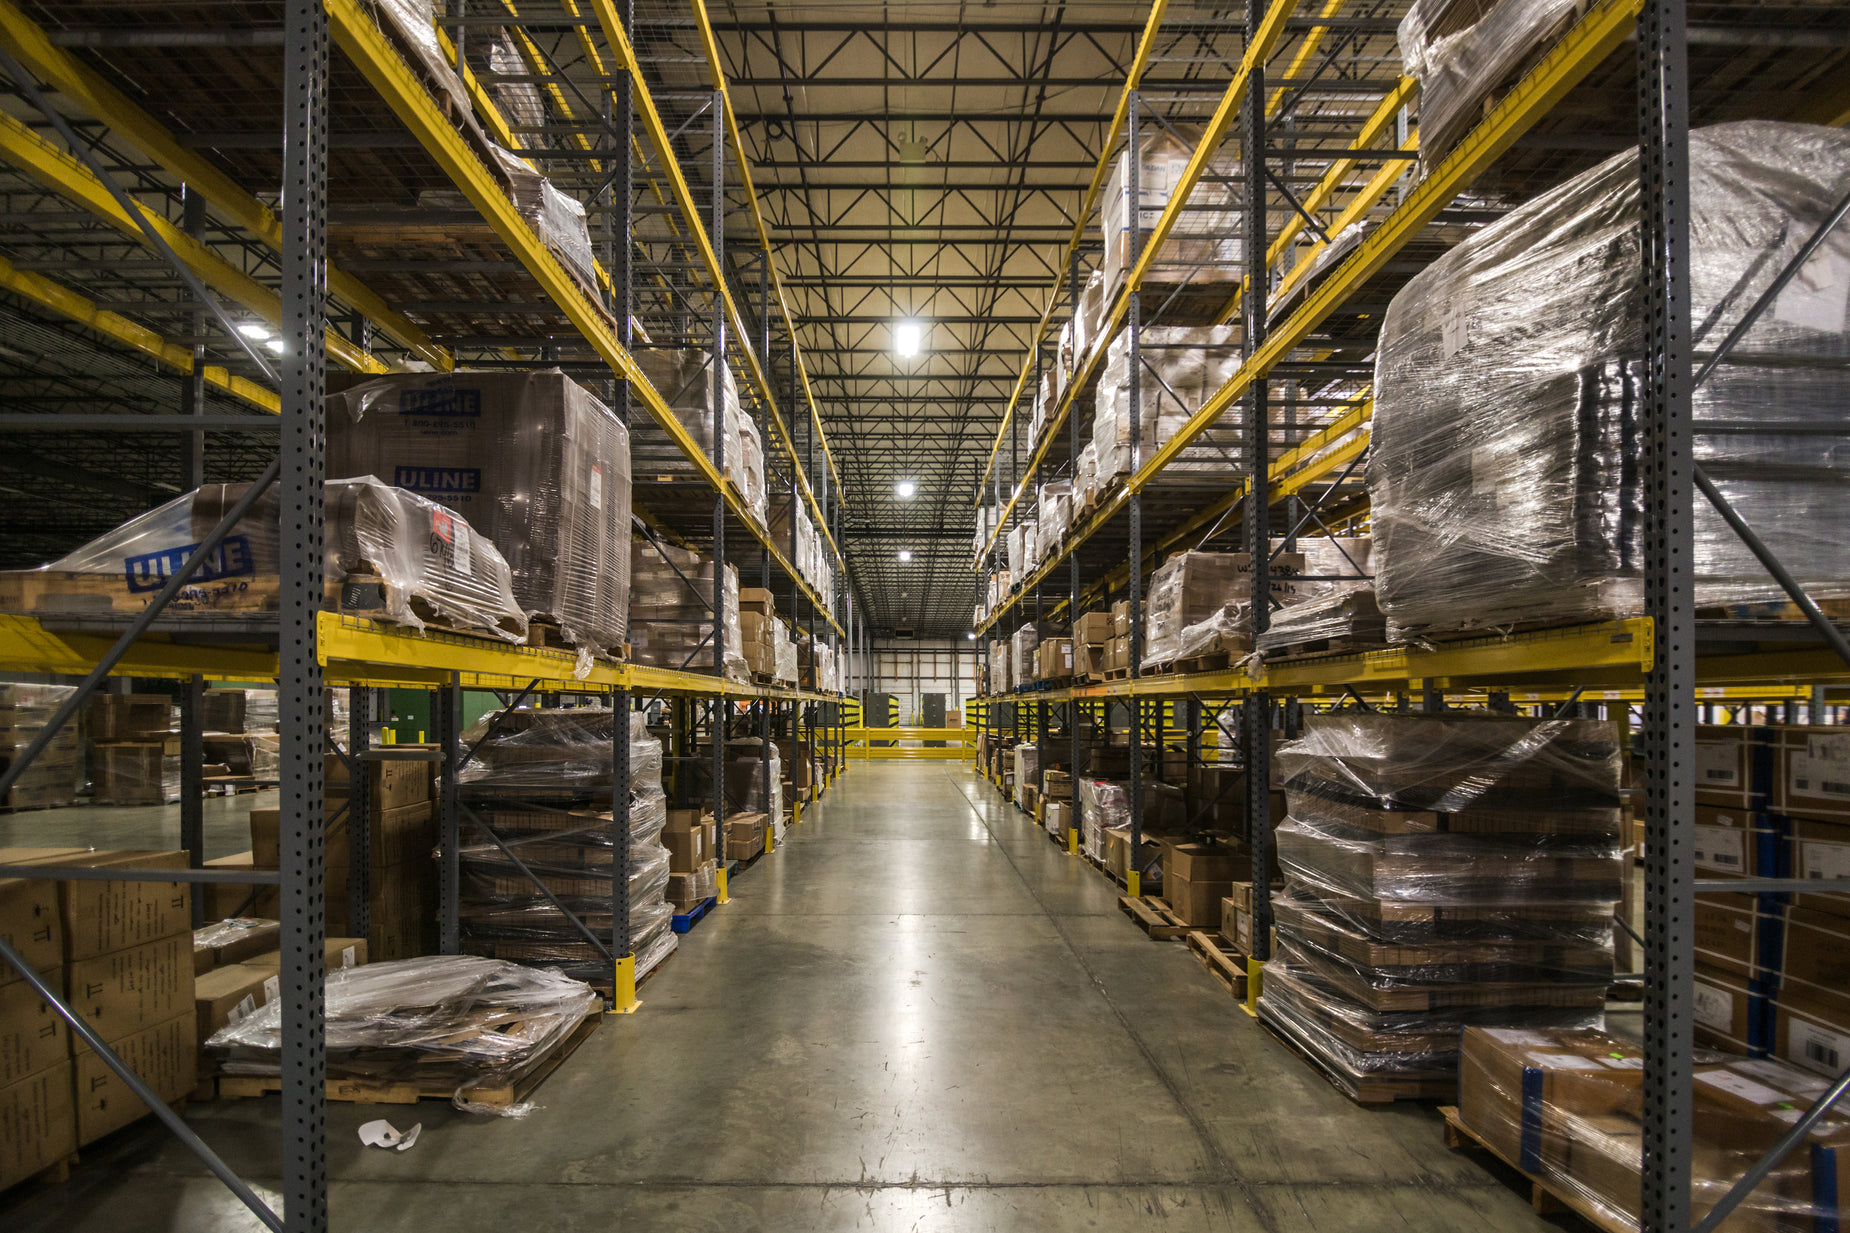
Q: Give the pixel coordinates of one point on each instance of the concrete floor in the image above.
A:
(918, 1014)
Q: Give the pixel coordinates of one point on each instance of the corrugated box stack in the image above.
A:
(761, 632)
(237, 970)
(121, 953)
(1568, 1107)
(1507, 392)
(541, 779)
(1440, 872)
(1203, 249)
(685, 379)
(52, 778)
(1183, 366)
(671, 613)
(1199, 602)
(134, 749)
(402, 893)
(534, 464)
(1027, 776)
(694, 848)
(1023, 654)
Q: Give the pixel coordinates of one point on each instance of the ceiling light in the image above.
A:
(907, 338)
(276, 345)
(905, 554)
(253, 329)
(904, 489)
(971, 637)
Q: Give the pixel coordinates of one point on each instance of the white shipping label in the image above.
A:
(1454, 332)
(1818, 296)
(1721, 847)
(1485, 462)
(1818, 1048)
(245, 1006)
(1781, 1076)
(346, 956)
(1823, 862)
(1810, 776)
(597, 488)
(1742, 1086)
(1623, 1063)
(1713, 1008)
(1718, 764)
(1516, 1036)
(272, 989)
(460, 551)
(1564, 1061)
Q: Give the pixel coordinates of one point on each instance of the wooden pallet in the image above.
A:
(235, 785)
(1368, 1090)
(1545, 1198)
(1154, 917)
(409, 1092)
(1219, 661)
(1348, 645)
(1117, 674)
(1225, 964)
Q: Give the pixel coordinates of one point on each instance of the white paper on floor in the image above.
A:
(383, 1134)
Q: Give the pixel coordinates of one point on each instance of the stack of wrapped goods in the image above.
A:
(1057, 813)
(816, 662)
(537, 467)
(671, 613)
(1023, 542)
(541, 781)
(123, 953)
(1085, 482)
(1027, 776)
(1567, 1106)
(685, 380)
(1501, 472)
(1023, 654)
(761, 632)
(134, 749)
(1053, 518)
(52, 777)
(755, 784)
(1440, 872)
(1203, 249)
(694, 849)
(1182, 367)
(786, 670)
(1198, 606)
(401, 876)
(237, 970)
(1001, 680)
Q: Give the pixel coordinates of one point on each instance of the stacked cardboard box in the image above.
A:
(1054, 659)
(1092, 634)
(671, 611)
(37, 1106)
(1198, 603)
(237, 969)
(1027, 775)
(745, 835)
(1057, 800)
(1568, 1107)
(51, 779)
(761, 631)
(134, 753)
(402, 877)
(125, 968)
(1440, 871)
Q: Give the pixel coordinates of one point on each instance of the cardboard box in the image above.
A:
(1734, 766)
(391, 784)
(1812, 771)
(336, 953)
(125, 991)
(1058, 815)
(38, 1123)
(687, 850)
(1730, 842)
(1816, 952)
(223, 710)
(745, 836)
(1121, 619)
(1203, 862)
(29, 920)
(1727, 1012)
(232, 941)
(1054, 658)
(164, 1056)
(228, 899)
(757, 600)
(1809, 1032)
(226, 995)
(1196, 901)
(129, 717)
(399, 835)
(98, 917)
(33, 1036)
(1093, 629)
(1739, 935)
(130, 774)
(1820, 851)
(1237, 925)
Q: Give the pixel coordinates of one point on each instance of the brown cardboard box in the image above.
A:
(164, 1056)
(1093, 628)
(1725, 842)
(336, 953)
(1237, 926)
(686, 849)
(1820, 850)
(223, 710)
(1203, 862)
(682, 819)
(219, 943)
(1089, 659)
(130, 774)
(1196, 901)
(38, 1123)
(399, 835)
(1055, 658)
(1058, 815)
(229, 993)
(1811, 1031)
(1728, 933)
(1817, 952)
(1118, 654)
(1723, 1010)
(98, 917)
(129, 717)
(1121, 619)
(1812, 771)
(392, 784)
(33, 1036)
(744, 836)
(127, 990)
(29, 917)
(1726, 765)
(683, 890)
(756, 600)
(226, 899)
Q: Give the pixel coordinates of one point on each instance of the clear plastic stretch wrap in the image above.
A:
(1508, 395)
(1027, 643)
(1568, 1107)
(1022, 542)
(1345, 617)
(671, 621)
(786, 652)
(1001, 681)
(1054, 517)
(387, 553)
(537, 466)
(54, 776)
(1085, 478)
(986, 516)
(1463, 51)
(685, 380)
(1027, 771)
(1103, 806)
(451, 1019)
(1089, 320)
(1441, 871)
(1182, 366)
(566, 750)
(1190, 591)
(1204, 247)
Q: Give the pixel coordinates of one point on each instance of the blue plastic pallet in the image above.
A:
(683, 921)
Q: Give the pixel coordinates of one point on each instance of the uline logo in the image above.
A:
(438, 481)
(151, 570)
(440, 400)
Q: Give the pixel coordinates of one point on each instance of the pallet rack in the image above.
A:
(507, 301)
(1664, 660)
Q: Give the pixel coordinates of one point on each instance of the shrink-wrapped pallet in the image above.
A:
(686, 381)
(672, 611)
(1203, 247)
(1181, 367)
(1509, 396)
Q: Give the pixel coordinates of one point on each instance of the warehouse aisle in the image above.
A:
(918, 1014)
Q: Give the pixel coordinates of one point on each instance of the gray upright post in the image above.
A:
(300, 706)
(192, 783)
(359, 812)
(447, 704)
(1133, 327)
(1258, 712)
(1669, 730)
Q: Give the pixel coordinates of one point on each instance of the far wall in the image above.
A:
(906, 669)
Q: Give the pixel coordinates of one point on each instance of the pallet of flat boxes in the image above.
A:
(237, 970)
(1566, 1107)
(401, 876)
(134, 750)
(52, 777)
(1440, 872)
(1092, 635)
(120, 954)
(540, 783)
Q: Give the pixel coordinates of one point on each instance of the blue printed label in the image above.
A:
(438, 481)
(440, 400)
(151, 570)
